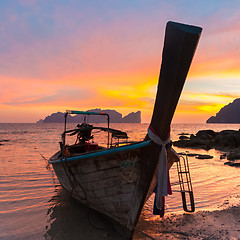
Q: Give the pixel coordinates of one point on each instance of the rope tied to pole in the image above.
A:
(162, 185)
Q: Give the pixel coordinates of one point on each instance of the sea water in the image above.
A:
(34, 206)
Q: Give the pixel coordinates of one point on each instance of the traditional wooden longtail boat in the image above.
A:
(118, 178)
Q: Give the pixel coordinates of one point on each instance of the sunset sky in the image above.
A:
(64, 54)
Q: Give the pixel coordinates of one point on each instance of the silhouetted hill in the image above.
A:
(228, 114)
(115, 117)
(132, 117)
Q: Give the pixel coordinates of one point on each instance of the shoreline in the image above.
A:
(222, 223)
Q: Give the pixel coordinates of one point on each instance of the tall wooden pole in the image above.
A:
(179, 47)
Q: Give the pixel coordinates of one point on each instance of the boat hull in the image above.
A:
(115, 183)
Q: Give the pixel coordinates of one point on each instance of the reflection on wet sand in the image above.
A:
(222, 223)
(68, 219)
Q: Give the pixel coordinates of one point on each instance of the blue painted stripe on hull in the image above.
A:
(102, 153)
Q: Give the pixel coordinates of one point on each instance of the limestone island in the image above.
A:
(228, 114)
(115, 117)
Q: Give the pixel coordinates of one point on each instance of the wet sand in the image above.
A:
(223, 223)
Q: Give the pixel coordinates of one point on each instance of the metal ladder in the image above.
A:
(185, 183)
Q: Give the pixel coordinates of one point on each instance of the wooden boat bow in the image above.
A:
(179, 47)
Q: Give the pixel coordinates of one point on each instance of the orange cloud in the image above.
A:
(198, 107)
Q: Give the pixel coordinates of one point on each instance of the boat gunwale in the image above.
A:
(101, 152)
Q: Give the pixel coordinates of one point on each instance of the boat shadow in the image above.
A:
(69, 219)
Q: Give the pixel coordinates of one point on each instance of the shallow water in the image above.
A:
(34, 206)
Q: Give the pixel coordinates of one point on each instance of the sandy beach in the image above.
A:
(222, 223)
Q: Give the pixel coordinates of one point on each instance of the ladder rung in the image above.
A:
(185, 183)
(181, 191)
(181, 183)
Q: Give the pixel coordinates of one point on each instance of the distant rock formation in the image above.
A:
(54, 118)
(228, 114)
(132, 118)
(115, 117)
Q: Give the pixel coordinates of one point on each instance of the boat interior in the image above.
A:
(84, 139)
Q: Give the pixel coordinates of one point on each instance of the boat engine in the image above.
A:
(84, 132)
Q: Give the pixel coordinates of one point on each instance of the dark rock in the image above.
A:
(182, 153)
(193, 143)
(206, 134)
(237, 164)
(232, 164)
(182, 137)
(207, 139)
(188, 154)
(227, 132)
(228, 138)
(228, 163)
(233, 155)
(192, 154)
(183, 133)
(204, 156)
(227, 114)
(192, 136)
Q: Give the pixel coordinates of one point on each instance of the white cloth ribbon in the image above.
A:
(162, 178)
